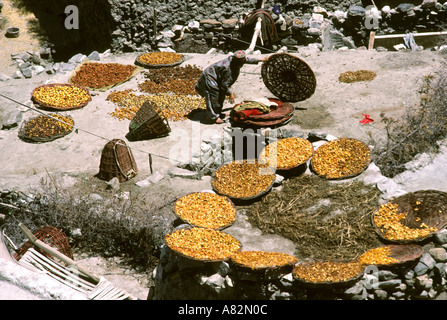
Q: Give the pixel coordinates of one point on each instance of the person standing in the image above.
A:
(215, 82)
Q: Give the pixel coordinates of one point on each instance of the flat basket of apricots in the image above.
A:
(341, 159)
(259, 260)
(46, 128)
(321, 273)
(287, 153)
(206, 210)
(153, 60)
(202, 244)
(393, 255)
(61, 96)
(243, 180)
(412, 217)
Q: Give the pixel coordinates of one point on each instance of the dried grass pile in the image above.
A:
(325, 220)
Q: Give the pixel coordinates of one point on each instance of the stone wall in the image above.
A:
(135, 26)
(177, 278)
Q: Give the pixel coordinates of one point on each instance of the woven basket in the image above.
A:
(285, 267)
(140, 63)
(348, 176)
(117, 161)
(239, 200)
(23, 136)
(431, 210)
(51, 107)
(404, 254)
(52, 236)
(201, 226)
(288, 77)
(148, 123)
(183, 255)
(327, 284)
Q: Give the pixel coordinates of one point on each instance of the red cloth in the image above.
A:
(366, 119)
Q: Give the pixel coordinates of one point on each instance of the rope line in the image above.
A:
(89, 132)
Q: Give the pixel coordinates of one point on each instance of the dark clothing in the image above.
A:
(215, 82)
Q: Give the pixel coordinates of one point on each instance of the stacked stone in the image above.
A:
(426, 279)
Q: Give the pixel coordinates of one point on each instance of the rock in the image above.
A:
(113, 184)
(27, 72)
(441, 236)
(77, 59)
(420, 268)
(11, 119)
(386, 275)
(380, 294)
(4, 77)
(38, 69)
(428, 4)
(183, 173)
(387, 285)
(400, 47)
(49, 69)
(94, 56)
(438, 254)
(428, 260)
(66, 67)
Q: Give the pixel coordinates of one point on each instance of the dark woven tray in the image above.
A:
(23, 136)
(199, 226)
(243, 199)
(349, 176)
(281, 169)
(432, 211)
(117, 161)
(404, 254)
(148, 123)
(140, 63)
(282, 267)
(51, 107)
(337, 284)
(181, 254)
(288, 77)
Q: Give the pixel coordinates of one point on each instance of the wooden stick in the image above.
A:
(372, 36)
(42, 245)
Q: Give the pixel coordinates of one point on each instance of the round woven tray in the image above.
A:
(281, 267)
(403, 253)
(343, 283)
(140, 63)
(201, 226)
(431, 210)
(288, 77)
(22, 134)
(282, 169)
(348, 176)
(148, 123)
(243, 199)
(51, 107)
(181, 254)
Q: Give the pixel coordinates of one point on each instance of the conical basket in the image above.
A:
(288, 77)
(148, 123)
(117, 161)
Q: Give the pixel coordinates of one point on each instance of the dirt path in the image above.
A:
(27, 40)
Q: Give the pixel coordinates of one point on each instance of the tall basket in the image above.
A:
(148, 123)
(117, 161)
(288, 77)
